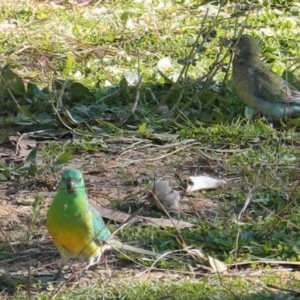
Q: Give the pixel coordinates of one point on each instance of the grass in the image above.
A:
(74, 70)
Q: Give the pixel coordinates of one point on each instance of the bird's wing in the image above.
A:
(101, 232)
(271, 87)
(295, 94)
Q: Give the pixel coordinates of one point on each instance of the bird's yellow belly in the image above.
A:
(72, 244)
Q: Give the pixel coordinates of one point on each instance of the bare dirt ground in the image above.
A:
(113, 180)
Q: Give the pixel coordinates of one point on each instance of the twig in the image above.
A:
(185, 67)
(137, 97)
(246, 204)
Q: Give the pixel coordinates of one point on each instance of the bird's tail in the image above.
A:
(116, 244)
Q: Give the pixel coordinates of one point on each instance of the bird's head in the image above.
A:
(72, 179)
(246, 47)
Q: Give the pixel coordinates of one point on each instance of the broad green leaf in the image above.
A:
(70, 63)
(295, 122)
(7, 173)
(34, 91)
(80, 91)
(142, 128)
(32, 170)
(31, 158)
(3, 177)
(262, 127)
(124, 92)
(11, 84)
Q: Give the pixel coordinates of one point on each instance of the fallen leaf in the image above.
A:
(196, 183)
(121, 217)
(216, 265)
(24, 145)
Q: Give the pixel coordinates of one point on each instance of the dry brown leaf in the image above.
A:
(121, 217)
(216, 265)
(24, 145)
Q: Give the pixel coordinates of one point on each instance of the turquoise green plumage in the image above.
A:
(257, 86)
(77, 228)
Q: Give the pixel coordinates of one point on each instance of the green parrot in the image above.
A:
(76, 227)
(257, 86)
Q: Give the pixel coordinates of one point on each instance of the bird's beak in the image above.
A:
(70, 185)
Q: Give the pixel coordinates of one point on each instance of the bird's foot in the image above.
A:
(58, 275)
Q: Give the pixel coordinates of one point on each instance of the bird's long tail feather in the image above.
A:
(121, 246)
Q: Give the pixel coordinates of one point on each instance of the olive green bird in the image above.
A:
(257, 86)
(76, 227)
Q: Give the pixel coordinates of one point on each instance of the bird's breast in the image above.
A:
(74, 245)
(73, 234)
